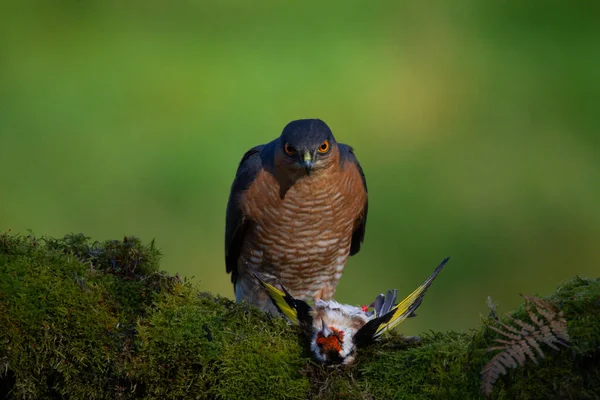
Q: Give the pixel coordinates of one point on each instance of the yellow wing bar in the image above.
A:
(282, 300)
(406, 307)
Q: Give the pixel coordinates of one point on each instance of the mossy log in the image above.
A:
(100, 320)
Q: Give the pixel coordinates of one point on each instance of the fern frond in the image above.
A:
(527, 351)
(534, 318)
(535, 345)
(525, 326)
(514, 335)
(543, 308)
(547, 326)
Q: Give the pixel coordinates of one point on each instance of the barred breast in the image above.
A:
(302, 240)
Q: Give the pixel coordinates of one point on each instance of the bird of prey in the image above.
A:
(296, 211)
(335, 331)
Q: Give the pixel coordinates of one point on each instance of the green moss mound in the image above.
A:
(83, 319)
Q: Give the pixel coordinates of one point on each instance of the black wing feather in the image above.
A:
(235, 222)
(365, 335)
(358, 236)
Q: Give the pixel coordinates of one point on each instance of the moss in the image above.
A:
(55, 333)
(83, 319)
(99, 320)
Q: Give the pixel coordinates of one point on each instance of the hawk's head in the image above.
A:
(307, 144)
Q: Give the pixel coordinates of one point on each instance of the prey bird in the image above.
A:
(296, 211)
(335, 331)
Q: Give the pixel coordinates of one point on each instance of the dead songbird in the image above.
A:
(336, 330)
(296, 211)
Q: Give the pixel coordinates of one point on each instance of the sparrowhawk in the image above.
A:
(296, 211)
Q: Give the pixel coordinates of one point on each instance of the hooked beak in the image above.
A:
(307, 162)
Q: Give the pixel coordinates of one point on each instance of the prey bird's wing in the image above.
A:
(387, 318)
(297, 311)
(407, 307)
(384, 303)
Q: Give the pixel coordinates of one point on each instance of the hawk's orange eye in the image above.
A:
(289, 149)
(324, 147)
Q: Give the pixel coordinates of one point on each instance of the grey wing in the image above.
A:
(358, 236)
(384, 303)
(235, 222)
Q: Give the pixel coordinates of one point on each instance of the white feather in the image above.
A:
(343, 317)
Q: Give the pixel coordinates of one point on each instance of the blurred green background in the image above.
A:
(477, 124)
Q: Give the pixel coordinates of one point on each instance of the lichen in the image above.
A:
(83, 319)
